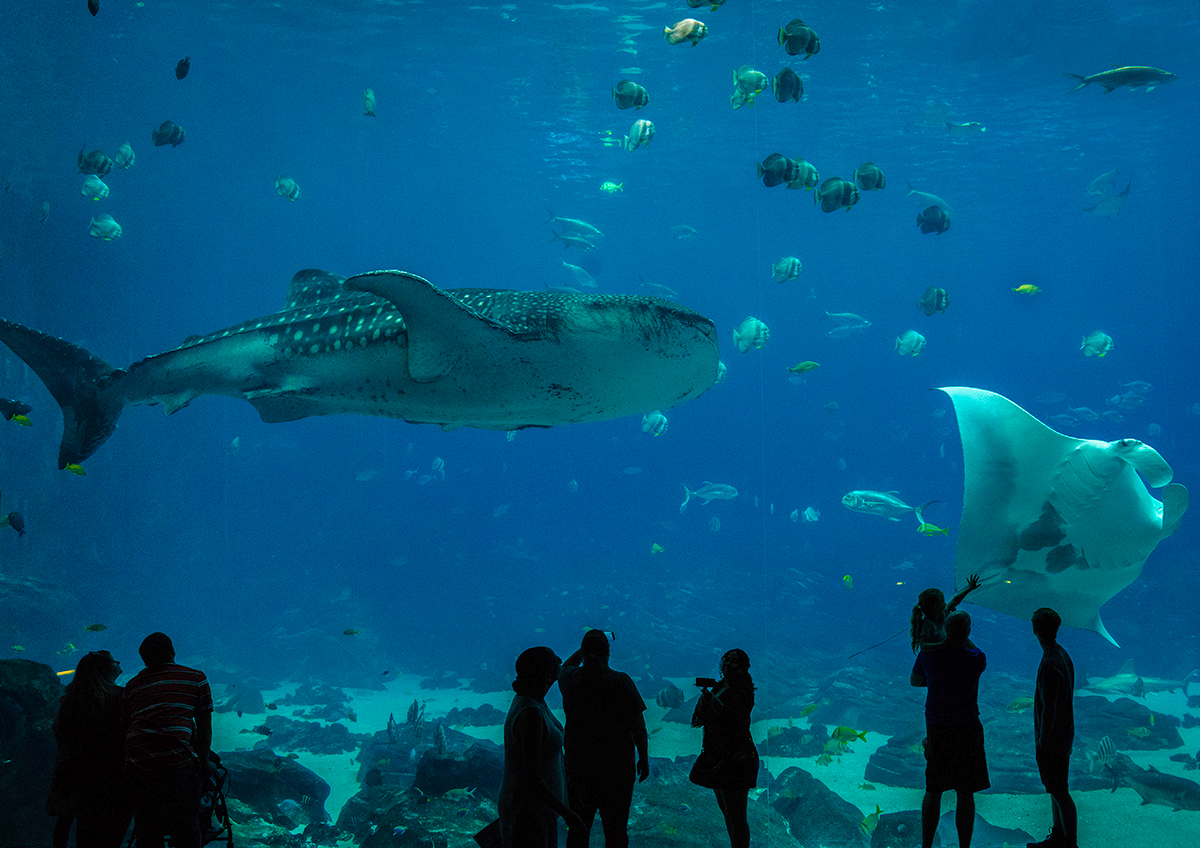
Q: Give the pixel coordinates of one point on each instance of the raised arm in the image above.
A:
(972, 585)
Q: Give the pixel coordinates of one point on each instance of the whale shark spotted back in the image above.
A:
(391, 344)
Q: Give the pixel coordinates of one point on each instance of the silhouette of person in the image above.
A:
(604, 727)
(728, 761)
(88, 785)
(928, 623)
(533, 792)
(954, 756)
(169, 712)
(1054, 728)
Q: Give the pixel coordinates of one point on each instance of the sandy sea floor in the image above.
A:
(1106, 819)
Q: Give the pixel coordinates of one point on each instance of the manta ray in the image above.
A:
(392, 344)
(1053, 521)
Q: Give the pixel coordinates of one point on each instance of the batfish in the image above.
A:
(1053, 521)
(392, 344)
(1111, 204)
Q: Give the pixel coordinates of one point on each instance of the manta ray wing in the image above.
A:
(1049, 520)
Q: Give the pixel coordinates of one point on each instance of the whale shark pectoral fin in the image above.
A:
(440, 329)
(277, 408)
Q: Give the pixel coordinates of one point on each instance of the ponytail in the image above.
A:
(914, 627)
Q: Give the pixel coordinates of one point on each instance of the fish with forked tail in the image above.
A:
(392, 344)
(885, 504)
(1132, 76)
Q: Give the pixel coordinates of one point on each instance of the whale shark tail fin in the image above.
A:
(80, 382)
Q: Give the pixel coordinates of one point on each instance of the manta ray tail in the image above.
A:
(80, 382)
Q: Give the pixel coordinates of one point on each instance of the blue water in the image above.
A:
(257, 556)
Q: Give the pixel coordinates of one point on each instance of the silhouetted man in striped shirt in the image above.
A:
(169, 711)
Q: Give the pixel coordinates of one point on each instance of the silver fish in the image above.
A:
(884, 504)
(1133, 76)
(574, 226)
(707, 492)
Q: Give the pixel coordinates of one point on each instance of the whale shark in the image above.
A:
(392, 344)
(1053, 521)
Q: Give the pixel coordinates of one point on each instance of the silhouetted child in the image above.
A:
(928, 624)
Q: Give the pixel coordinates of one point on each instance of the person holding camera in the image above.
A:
(728, 761)
(604, 727)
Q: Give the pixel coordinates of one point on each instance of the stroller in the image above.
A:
(215, 825)
(214, 811)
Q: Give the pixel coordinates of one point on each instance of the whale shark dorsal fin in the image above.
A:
(313, 286)
(439, 327)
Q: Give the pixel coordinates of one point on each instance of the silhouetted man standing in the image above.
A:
(1054, 727)
(604, 727)
(954, 756)
(169, 710)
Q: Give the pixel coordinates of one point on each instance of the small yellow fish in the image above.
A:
(835, 747)
(1028, 288)
(824, 760)
(1152, 719)
(774, 731)
(867, 787)
(20, 649)
(351, 715)
(23, 420)
(459, 794)
(65, 673)
(871, 821)
(848, 581)
(95, 628)
(932, 529)
(1139, 732)
(612, 188)
(809, 710)
(1019, 705)
(656, 548)
(75, 468)
(801, 367)
(68, 649)
(351, 631)
(848, 734)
